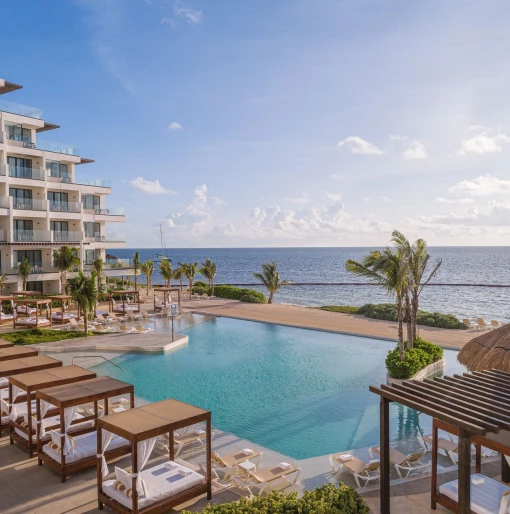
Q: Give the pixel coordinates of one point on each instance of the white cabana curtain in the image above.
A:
(13, 416)
(69, 414)
(106, 438)
(45, 407)
(144, 452)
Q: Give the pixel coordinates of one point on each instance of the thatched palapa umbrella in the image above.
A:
(488, 351)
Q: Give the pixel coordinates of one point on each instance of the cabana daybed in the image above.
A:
(6, 318)
(159, 488)
(124, 307)
(167, 300)
(82, 453)
(23, 425)
(17, 296)
(33, 321)
(62, 316)
(17, 352)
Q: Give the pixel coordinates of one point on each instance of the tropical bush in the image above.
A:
(422, 354)
(344, 309)
(327, 499)
(37, 336)
(248, 298)
(235, 293)
(201, 285)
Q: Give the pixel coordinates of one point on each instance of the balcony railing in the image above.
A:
(3, 235)
(65, 206)
(24, 236)
(66, 236)
(109, 238)
(30, 173)
(28, 205)
(112, 211)
(99, 182)
(50, 146)
(118, 263)
(5, 202)
(36, 267)
(21, 110)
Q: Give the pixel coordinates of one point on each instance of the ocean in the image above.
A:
(461, 265)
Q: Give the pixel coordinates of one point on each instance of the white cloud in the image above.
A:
(386, 199)
(304, 198)
(217, 201)
(366, 198)
(358, 145)
(483, 142)
(454, 200)
(175, 125)
(151, 187)
(336, 176)
(482, 186)
(416, 150)
(190, 15)
(335, 197)
(498, 214)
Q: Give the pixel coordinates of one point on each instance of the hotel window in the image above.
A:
(91, 256)
(21, 198)
(21, 168)
(23, 225)
(92, 229)
(16, 132)
(57, 169)
(34, 257)
(91, 202)
(59, 226)
(58, 199)
(35, 286)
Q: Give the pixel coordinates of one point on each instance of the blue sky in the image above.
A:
(279, 123)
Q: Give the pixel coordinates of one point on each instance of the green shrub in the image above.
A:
(37, 336)
(200, 290)
(344, 309)
(235, 293)
(201, 284)
(248, 298)
(327, 499)
(422, 354)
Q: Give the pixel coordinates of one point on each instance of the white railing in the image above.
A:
(21, 110)
(24, 204)
(29, 173)
(5, 203)
(66, 236)
(50, 146)
(99, 182)
(25, 236)
(56, 206)
(111, 211)
(113, 238)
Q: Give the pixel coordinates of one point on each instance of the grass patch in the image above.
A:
(343, 309)
(37, 336)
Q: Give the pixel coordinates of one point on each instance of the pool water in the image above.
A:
(300, 392)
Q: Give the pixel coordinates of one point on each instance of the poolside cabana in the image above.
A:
(476, 408)
(84, 451)
(33, 321)
(5, 318)
(17, 352)
(166, 292)
(163, 486)
(26, 294)
(22, 424)
(62, 316)
(124, 307)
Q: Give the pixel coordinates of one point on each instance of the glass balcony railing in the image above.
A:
(99, 182)
(111, 211)
(24, 236)
(35, 267)
(29, 173)
(5, 202)
(65, 206)
(118, 263)
(3, 235)
(21, 110)
(24, 204)
(108, 238)
(66, 236)
(50, 146)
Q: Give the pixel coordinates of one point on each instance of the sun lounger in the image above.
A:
(410, 462)
(470, 325)
(449, 447)
(359, 469)
(495, 324)
(230, 464)
(183, 440)
(127, 330)
(481, 323)
(487, 495)
(101, 329)
(143, 330)
(268, 477)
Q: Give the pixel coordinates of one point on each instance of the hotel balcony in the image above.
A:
(105, 238)
(66, 236)
(112, 211)
(21, 172)
(5, 203)
(21, 110)
(50, 146)
(65, 207)
(118, 264)
(3, 235)
(23, 204)
(99, 182)
(32, 236)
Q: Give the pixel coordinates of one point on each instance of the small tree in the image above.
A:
(167, 272)
(270, 279)
(24, 270)
(177, 274)
(189, 270)
(98, 268)
(136, 268)
(208, 271)
(3, 279)
(84, 294)
(147, 268)
(65, 260)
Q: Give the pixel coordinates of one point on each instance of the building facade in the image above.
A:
(46, 202)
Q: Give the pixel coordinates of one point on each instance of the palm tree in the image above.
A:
(189, 270)
(65, 260)
(98, 268)
(136, 268)
(84, 294)
(177, 274)
(24, 270)
(418, 259)
(3, 279)
(166, 271)
(389, 269)
(208, 270)
(270, 278)
(147, 268)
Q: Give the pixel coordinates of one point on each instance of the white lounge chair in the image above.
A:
(183, 440)
(367, 471)
(470, 325)
(142, 330)
(126, 330)
(495, 324)
(410, 462)
(230, 464)
(481, 323)
(100, 329)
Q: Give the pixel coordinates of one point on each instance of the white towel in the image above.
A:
(200, 431)
(345, 457)
(247, 451)
(170, 465)
(477, 480)
(284, 465)
(185, 473)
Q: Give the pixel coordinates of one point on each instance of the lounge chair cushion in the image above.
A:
(486, 498)
(161, 483)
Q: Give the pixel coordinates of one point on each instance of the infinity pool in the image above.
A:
(300, 392)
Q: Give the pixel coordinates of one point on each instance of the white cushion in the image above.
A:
(55, 437)
(126, 479)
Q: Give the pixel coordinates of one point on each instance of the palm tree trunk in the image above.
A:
(86, 321)
(271, 294)
(190, 285)
(410, 339)
(414, 314)
(212, 287)
(400, 319)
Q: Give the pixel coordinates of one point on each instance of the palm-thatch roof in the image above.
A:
(490, 350)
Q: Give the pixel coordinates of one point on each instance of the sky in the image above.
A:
(278, 122)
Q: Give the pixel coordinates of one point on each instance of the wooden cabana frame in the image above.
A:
(6, 318)
(30, 383)
(472, 406)
(26, 294)
(123, 295)
(17, 352)
(63, 397)
(39, 320)
(149, 421)
(5, 344)
(166, 296)
(59, 316)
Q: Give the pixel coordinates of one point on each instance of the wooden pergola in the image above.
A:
(166, 297)
(26, 294)
(62, 397)
(29, 384)
(475, 407)
(31, 321)
(16, 352)
(139, 426)
(123, 295)
(61, 317)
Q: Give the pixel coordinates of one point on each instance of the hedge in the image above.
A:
(235, 293)
(422, 354)
(327, 499)
(249, 298)
(344, 309)
(37, 336)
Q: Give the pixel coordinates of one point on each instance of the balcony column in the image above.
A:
(10, 230)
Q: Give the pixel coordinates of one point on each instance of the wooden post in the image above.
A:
(464, 472)
(171, 444)
(505, 470)
(385, 455)
(99, 463)
(10, 408)
(478, 457)
(62, 445)
(38, 430)
(208, 450)
(30, 420)
(433, 483)
(134, 457)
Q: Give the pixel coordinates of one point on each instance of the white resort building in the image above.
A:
(45, 202)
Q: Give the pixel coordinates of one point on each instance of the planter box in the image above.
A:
(427, 371)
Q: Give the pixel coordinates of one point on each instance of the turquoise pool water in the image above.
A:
(300, 392)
